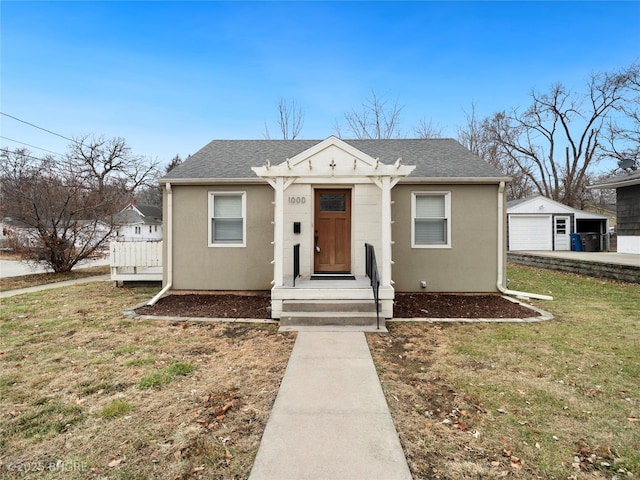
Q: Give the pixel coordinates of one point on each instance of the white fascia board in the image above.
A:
(582, 214)
(540, 204)
(332, 158)
(617, 184)
(332, 141)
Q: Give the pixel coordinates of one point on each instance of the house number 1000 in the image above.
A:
(297, 200)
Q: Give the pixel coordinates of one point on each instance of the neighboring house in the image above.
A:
(539, 223)
(139, 223)
(86, 232)
(245, 214)
(627, 186)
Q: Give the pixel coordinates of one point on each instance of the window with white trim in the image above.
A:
(431, 219)
(227, 219)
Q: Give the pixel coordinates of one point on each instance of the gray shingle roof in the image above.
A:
(233, 159)
(626, 178)
(150, 211)
(131, 217)
(518, 201)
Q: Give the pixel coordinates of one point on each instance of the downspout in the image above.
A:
(501, 255)
(169, 247)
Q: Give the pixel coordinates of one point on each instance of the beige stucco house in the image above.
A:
(293, 217)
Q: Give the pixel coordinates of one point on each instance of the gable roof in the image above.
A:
(233, 159)
(546, 206)
(131, 217)
(149, 211)
(134, 214)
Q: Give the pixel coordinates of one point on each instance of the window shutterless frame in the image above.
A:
(227, 219)
(431, 220)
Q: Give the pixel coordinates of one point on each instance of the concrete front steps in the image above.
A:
(311, 313)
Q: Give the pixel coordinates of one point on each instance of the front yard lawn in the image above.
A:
(552, 400)
(86, 393)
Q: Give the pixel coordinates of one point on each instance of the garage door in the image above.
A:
(530, 232)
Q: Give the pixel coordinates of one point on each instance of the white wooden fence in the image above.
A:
(136, 261)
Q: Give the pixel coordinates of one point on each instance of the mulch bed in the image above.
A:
(407, 305)
(434, 305)
(211, 306)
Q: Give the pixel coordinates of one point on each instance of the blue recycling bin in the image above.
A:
(576, 242)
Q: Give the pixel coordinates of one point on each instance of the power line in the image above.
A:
(29, 145)
(40, 128)
(5, 150)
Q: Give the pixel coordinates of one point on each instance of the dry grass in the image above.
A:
(554, 400)
(85, 393)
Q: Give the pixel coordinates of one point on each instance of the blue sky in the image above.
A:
(171, 76)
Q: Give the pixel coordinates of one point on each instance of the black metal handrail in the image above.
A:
(296, 262)
(374, 276)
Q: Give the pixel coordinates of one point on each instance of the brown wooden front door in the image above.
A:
(332, 249)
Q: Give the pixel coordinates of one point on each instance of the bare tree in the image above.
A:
(101, 160)
(67, 204)
(600, 197)
(290, 120)
(476, 135)
(378, 119)
(556, 140)
(152, 194)
(623, 131)
(426, 129)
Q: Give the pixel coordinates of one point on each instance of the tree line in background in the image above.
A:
(69, 203)
(551, 148)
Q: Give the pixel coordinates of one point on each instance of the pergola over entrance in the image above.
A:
(333, 163)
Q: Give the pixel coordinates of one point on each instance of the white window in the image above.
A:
(138, 231)
(431, 220)
(227, 219)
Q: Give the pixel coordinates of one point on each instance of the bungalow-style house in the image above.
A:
(293, 217)
(139, 223)
(627, 186)
(539, 223)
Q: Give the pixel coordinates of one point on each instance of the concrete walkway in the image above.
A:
(48, 286)
(330, 420)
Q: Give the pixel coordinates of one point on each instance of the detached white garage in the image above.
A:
(542, 224)
(530, 232)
